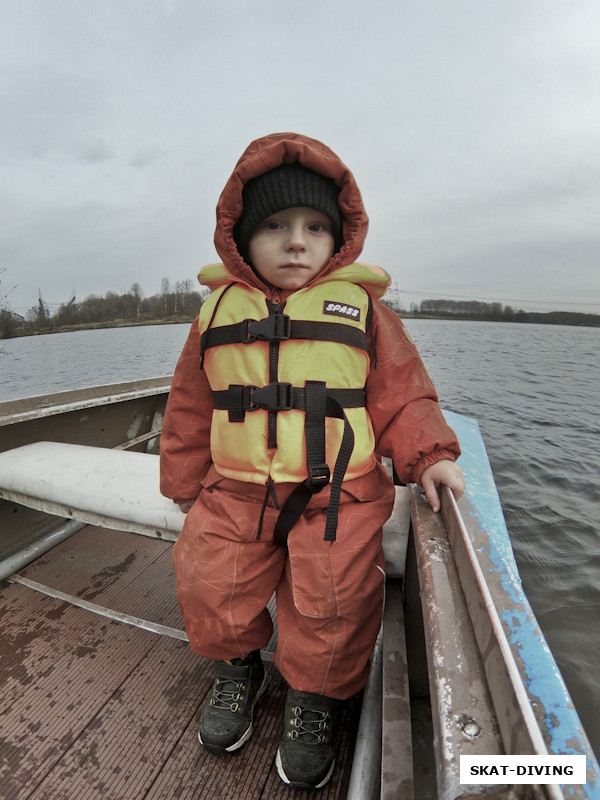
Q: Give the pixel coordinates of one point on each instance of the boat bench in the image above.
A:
(110, 488)
(119, 489)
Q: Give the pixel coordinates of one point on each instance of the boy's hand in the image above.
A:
(444, 473)
(185, 507)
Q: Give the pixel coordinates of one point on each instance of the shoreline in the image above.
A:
(188, 319)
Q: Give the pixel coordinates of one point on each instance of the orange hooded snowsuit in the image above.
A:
(227, 561)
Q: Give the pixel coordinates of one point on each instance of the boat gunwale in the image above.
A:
(46, 405)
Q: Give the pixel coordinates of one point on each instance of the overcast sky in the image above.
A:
(473, 128)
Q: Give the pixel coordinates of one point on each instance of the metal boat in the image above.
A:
(101, 693)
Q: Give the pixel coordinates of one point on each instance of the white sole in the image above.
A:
(285, 779)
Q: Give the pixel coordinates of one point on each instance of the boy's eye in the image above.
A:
(318, 227)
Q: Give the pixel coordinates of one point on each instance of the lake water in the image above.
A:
(534, 390)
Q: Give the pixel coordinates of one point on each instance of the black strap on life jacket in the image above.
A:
(279, 328)
(319, 404)
(238, 400)
(318, 401)
(205, 336)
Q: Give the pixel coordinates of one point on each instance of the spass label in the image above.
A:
(341, 310)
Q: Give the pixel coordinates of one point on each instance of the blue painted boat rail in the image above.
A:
(559, 723)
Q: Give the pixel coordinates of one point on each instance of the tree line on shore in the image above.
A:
(177, 302)
(496, 312)
(181, 301)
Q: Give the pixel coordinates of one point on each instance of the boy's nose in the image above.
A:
(296, 239)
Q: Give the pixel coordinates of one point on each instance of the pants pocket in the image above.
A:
(312, 581)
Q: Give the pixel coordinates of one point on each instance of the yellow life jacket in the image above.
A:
(288, 381)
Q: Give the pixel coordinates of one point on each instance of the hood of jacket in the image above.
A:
(272, 151)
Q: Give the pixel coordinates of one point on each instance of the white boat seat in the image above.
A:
(119, 489)
(111, 488)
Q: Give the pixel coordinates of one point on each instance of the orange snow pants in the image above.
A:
(329, 594)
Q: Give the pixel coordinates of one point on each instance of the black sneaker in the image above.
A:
(306, 754)
(226, 720)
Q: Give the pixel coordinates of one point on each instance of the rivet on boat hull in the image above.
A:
(469, 727)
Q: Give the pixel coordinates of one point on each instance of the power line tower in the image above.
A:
(42, 309)
(4, 304)
(72, 300)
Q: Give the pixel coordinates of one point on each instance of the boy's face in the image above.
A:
(290, 247)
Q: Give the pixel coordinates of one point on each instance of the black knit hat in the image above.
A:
(287, 186)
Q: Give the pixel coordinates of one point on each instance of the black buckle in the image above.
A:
(278, 396)
(282, 327)
(318, 477)
(246, 397)
(246, 332)
(236, 400)
(274, 328)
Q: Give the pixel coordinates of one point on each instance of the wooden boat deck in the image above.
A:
(95, 708)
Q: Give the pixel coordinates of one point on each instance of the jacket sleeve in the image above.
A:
(185, 438)
(403, 404)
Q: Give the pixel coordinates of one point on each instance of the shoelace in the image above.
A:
(312, 728)
(227, 699)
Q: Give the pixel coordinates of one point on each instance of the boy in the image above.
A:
(294, 377)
